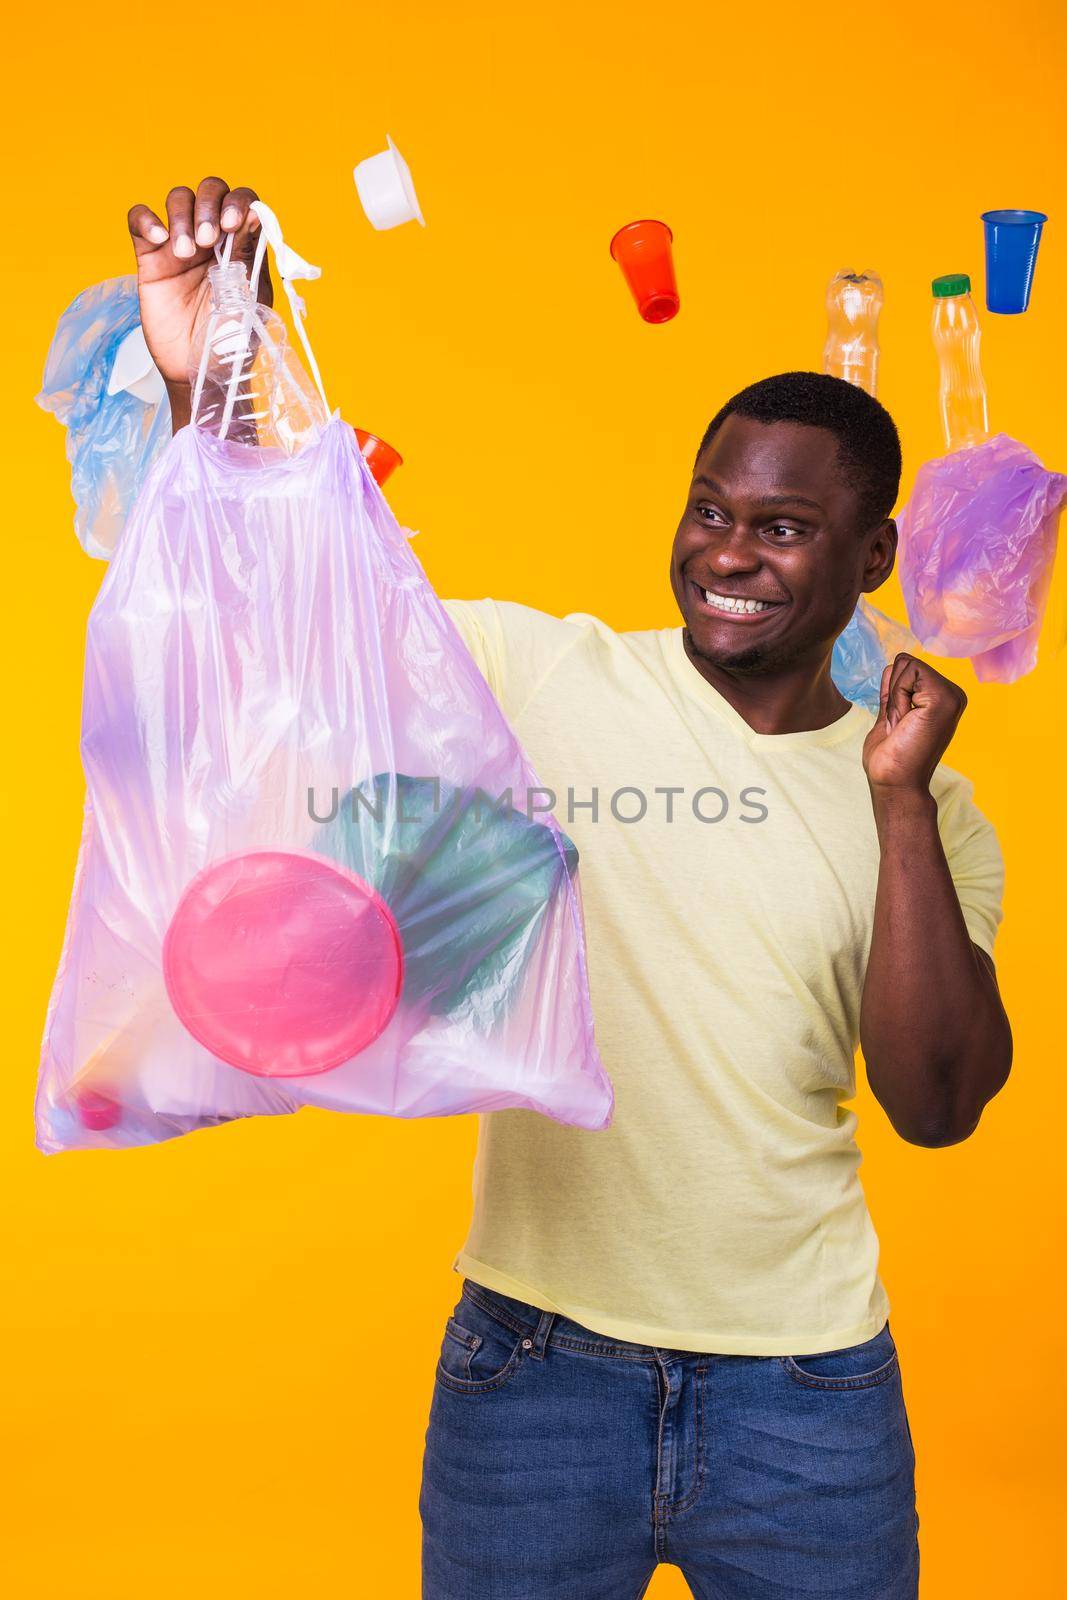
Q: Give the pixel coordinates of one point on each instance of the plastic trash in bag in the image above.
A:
(114, 407)
(102, 384)
(263, 636)
(978, 535)
(978, 542)
(467, 876)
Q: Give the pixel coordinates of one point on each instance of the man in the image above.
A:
(672, 1344)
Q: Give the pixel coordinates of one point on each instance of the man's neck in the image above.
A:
(800, 699)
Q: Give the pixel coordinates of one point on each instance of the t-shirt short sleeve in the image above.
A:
(974, 856)
(515, 647)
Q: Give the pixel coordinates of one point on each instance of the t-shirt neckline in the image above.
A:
(698, 688)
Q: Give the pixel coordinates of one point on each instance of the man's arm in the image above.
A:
(934, 1034)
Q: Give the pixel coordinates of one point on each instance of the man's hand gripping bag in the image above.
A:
(306, 875)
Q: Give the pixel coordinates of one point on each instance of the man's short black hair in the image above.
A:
(868, 444)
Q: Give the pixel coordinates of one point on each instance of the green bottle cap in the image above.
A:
(953, 283)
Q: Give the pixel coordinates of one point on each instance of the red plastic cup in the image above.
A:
(380, 457)
(95, 1109)
(643, 251)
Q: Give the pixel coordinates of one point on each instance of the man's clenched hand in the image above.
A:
(172, 262)
(917, 716)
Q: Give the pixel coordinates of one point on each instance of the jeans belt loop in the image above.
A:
(540, 1338)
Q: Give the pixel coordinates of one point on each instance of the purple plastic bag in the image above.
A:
(267, 664)
(977, 548)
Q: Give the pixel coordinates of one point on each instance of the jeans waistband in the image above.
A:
(546, 1328)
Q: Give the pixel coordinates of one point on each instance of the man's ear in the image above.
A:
(881, 555)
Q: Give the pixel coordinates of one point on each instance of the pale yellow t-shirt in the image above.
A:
(722, 1210)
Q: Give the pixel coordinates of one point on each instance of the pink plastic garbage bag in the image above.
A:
(265, 640)
(977, 548)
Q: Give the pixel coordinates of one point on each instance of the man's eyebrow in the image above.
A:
(764, 500)
(788, 500)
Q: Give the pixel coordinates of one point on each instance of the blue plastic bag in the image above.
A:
(863, 651)
(112, 439)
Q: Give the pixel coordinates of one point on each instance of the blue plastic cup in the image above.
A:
(1011, 241)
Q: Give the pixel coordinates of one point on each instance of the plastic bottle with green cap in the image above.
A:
(964, 410)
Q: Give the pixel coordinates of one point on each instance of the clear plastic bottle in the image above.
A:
(957, 336)
(248, 386)
(853, 302)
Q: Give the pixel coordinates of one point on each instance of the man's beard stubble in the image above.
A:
(753, 661)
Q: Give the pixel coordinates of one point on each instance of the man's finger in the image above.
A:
(146, 230)
(903, 681)
(180, 204)
(210, 194)
(244, 224)
(883, 690)
(235, 213)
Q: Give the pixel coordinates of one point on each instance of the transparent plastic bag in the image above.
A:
(112, 437)
(309, 873)
(977, 547)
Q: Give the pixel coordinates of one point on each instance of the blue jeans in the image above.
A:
(561, 1465)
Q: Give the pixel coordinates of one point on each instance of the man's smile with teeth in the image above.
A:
(734, 603)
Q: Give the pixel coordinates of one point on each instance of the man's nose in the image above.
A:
(734, 550)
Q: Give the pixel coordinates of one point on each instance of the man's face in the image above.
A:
(771, 519)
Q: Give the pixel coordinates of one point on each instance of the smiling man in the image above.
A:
(672, 1343)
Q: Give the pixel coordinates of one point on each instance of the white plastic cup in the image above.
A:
(385, 189)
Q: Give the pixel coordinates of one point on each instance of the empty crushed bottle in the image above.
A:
(247, 384)
(853, 303)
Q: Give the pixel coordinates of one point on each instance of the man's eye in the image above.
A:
(709, 513)
(782, 530)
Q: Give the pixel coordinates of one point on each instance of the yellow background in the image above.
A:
(217, 1354)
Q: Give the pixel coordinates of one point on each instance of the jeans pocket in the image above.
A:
(860, 1366)
(477, 1359)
